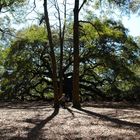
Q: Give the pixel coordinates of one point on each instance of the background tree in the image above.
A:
(107, 53)
(38, 61)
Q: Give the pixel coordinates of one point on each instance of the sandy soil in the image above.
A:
(95, 121)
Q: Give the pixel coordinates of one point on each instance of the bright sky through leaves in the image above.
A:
(133, 24)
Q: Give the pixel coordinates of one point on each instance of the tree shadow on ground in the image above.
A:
(34, 133)
(70, 111)
(118, 122)
(114, 105)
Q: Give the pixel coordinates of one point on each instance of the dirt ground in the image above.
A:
(95, 121)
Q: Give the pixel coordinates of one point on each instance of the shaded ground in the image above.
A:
(97, 121)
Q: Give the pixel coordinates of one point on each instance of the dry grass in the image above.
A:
(39, 121)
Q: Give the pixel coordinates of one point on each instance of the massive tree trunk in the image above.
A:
(52, 55)
(76, 97)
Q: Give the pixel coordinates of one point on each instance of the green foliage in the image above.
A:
(24, 64)
(111, 55)
(108, 61)
(33, 34)
(10, 9)
(135, 6)
(8, 3)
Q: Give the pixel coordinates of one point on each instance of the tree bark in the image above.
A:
(76, 97)
(52, 55)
